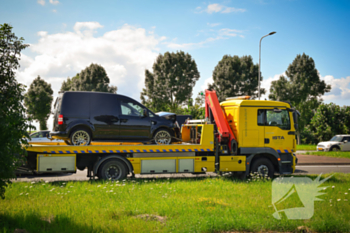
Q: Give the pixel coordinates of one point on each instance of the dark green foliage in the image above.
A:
(92, 78)
(38, 101)
(329, 120)
(13, 123)
(302, 87)
(236, 76)
(196, 110)
(171, 83)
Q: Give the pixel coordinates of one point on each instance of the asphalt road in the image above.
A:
(81, 175)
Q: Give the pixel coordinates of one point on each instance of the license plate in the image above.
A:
(320, 149)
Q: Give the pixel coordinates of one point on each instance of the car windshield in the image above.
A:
(336, 139)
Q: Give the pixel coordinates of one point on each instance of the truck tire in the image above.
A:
(263, 166)
(112, 169)
(80, 137)
(162, 137)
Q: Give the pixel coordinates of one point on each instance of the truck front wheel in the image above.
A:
(263, 167)
(112, 169)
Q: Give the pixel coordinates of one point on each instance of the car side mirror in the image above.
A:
(145, 112)
(345, 141)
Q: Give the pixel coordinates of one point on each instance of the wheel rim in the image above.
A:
(80, 138)
(162, 137)
(263, 170)
(113, 172)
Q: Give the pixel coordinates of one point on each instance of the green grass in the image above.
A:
(339, 154)
(306, 147)
(189, 205)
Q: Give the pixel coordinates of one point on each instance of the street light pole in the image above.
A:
(271, 33)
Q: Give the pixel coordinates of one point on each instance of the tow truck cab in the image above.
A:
(263, 129)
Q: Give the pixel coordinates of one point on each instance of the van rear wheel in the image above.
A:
(80, 137)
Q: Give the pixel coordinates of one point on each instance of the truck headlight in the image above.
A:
(328, 145)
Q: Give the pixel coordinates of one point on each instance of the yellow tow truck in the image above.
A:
(239, 136)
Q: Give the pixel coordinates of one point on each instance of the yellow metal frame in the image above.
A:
(206, 145)
(209, 164)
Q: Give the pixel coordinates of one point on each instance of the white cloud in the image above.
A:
(222, 34)
(174, 45)
(230, 32)
(217, 8)
(54, 11)
(213, 24)
(206, 83)
(267, 84)
(87, 26)
(125, 53)
(41, 2)
(54, 2)
(340, 92)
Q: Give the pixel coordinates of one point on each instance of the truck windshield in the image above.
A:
(336, 139)
(279, 119)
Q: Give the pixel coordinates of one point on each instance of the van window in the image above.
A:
(76, 104)
(131, 108)
(272, 118)
(103, 105)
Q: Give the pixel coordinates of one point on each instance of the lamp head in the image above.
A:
(271, 33)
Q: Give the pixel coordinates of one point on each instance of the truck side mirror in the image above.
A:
(345, 141)
(145, 112)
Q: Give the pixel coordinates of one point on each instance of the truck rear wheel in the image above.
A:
(112, 169)
(263, 167)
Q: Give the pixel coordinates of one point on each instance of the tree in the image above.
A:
(329, 120)
(13, 123)
(196, 110)
(236, 76)
(171, 83)
(92, 78)
(302, 87)
(38, 101)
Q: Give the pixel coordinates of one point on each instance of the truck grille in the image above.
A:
(320, 145)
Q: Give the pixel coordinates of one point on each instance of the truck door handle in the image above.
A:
(123, 120)
(291, 133)
(267, 140)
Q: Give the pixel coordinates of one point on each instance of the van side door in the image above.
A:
(104, 115)
(133, 124)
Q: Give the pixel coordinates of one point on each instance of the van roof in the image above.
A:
(257, 103)
(94, 92)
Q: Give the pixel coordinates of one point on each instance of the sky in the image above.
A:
(125, 37)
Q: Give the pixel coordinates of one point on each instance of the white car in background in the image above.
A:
(337, 143)
(42, 136)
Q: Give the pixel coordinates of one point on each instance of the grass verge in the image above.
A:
(339, 154)
(162, 205)
(306, 147)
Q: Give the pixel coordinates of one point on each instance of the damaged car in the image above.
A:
(81, 117)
